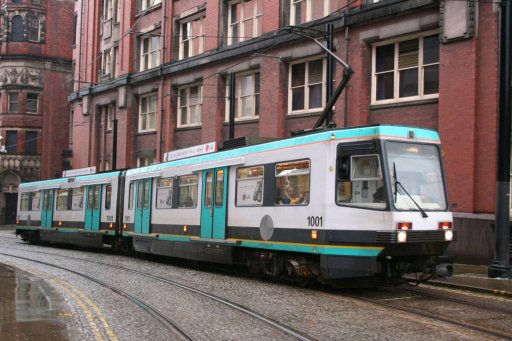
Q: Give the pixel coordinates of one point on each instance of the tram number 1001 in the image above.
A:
(315, 221)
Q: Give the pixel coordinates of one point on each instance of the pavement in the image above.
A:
(474, 278)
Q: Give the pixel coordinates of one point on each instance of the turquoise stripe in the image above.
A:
(318, 250)
(376, 132)
(289, 247)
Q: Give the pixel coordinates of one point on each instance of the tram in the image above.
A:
(356, 205)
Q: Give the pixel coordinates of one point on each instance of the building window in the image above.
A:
(108, 10)
(33, 29)
(145, 4)
(117, 10)
(192, 37)
(14, 102)
(244, 20)
(306, 87)
(17, 29)
(115, 61)
(247, 96)
(147, 113)
(149, 52)
(106, 62)
(145, 160)
(306, 10)
(190, 106)
(32, 102)
(31, 142)
(406, 70)
(11, 142)
(107, 113)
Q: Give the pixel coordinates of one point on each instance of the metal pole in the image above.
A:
(329, 28)
(500, 267)
(114, 144)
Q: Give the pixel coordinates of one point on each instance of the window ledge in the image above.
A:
(404, 104)
(302, 115)
(185, 128)
(143, 133)
(244, 121)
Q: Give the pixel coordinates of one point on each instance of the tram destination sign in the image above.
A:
(201, 149)
(80, 171)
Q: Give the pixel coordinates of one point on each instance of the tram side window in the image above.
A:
(30, 201)
(131, 195)
(249, 186)
(62, 199)
(108, 196)
(36, 201)
(77, 199)
(70, 199)
(164, 193)
(187, 191)
(293, 183)
(360, 182)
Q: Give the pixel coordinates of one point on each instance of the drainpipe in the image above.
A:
(500, 267)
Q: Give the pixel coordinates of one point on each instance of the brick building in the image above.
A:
(163, 70)
(35, 73)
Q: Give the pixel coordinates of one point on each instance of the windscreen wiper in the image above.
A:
(397, 184)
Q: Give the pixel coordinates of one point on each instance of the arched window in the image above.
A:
(17, 28)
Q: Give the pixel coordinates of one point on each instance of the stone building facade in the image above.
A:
(35, 73)
(162, 70)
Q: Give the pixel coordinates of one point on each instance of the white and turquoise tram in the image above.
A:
(365, 203)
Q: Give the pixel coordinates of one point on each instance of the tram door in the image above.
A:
(213, 209)
(143, 205)
(93, 208)
(47, 208)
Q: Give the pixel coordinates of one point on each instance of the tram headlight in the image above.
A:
(402, 236)
(448, 235)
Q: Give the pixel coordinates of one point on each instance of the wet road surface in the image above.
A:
(30, 309)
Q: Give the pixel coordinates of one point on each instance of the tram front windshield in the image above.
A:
(416, 177)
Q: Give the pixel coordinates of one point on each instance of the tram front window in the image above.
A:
(417, 170)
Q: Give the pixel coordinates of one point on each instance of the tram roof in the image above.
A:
(234, 156)
(58, 183)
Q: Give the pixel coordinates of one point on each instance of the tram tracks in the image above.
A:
(453, 315)
(169, 323)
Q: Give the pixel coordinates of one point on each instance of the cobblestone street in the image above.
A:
(98, 312)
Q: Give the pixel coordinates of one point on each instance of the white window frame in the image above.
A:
(143, 161)
(257, 24)
(10, 102)
(108, 10)
(188, 106)
(149, 57)
(396, 71)
(145, 116)
(238, 95)
(32, 27)
(190, 38)
(306, 87)
(106, 62)
(146, 4)
(107, 112)
(309, 12)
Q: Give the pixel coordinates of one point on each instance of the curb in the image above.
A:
(472, 288)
